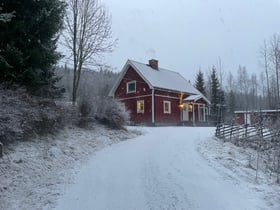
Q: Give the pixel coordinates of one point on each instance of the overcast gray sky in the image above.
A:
(185, 35)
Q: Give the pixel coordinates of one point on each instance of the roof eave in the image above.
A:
(119, 79)
(123, 72)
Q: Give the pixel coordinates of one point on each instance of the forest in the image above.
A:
(37, 95)
(240, 90)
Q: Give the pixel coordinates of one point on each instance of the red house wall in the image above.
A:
(142, 88)
(143, 92)
(240, 118)
(139, 118)
(160, 116)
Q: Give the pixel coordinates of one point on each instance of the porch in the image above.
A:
(195, 111)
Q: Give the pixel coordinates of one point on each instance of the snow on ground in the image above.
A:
(33, 173)
(169, 168)
(239, 165)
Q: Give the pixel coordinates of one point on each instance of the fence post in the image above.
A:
(217, 130)
(231, 128)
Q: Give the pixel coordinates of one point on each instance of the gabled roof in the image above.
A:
(195, 98)
(161, 78)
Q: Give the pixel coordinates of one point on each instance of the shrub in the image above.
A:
(23, 116)
(85, 116)
(103, 109)
(111, 113)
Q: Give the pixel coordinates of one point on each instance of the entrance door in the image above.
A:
(185, 114)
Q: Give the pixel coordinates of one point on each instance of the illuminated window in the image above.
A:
(140, 106)
(166, 107)
(131, 87)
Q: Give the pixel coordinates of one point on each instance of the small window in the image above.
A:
(166, 107)
(131, 87)
(140, 106)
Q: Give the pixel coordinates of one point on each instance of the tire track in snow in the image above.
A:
(162, 183)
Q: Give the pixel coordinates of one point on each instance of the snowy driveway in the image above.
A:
(160, 169)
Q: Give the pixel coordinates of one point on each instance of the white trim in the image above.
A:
(201, 118)
(133, 97)
(173, 97)
(169, 107)
(193, 115)
(127, 87)
(195, 98)
(153, 105)
(138, 110)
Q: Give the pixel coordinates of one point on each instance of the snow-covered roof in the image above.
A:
(161, 78)
(196, 98)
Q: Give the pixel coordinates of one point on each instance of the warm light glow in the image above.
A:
(190, 107)
(140, 106)
(181, 105)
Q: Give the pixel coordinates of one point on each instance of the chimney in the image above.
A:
(154, 64)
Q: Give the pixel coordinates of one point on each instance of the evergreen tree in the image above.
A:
(199, 82)
(28, 43)
(215, 94)
(231, 103)
(221, 105)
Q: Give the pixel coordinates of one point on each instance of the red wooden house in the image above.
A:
(157, 96)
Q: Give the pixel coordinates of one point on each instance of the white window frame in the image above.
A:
(201, 107)
(138, 110)
(127, 87)
(169, 107)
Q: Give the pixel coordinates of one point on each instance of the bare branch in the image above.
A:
(87, 35)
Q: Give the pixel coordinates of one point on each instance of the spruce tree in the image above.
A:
(28, 43)
(221, 105)
(231, 103)
(215, 93)
(199, 82)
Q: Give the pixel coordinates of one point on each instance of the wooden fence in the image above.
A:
(230, 131)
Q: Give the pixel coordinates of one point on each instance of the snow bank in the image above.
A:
(238, 164)
(34, 173)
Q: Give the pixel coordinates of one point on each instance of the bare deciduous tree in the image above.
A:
(87, 35)
(275, 59)
(264, 55)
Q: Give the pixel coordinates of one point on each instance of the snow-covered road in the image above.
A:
(161, 169)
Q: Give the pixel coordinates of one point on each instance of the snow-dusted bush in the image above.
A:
(23, 116)
(85, 114)
(112, 113)
(103, 109)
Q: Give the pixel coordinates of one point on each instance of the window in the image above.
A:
(131, 87)
(166, 107)
(140, 106)
(201, 113)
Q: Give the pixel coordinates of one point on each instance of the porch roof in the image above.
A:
(195, 98)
